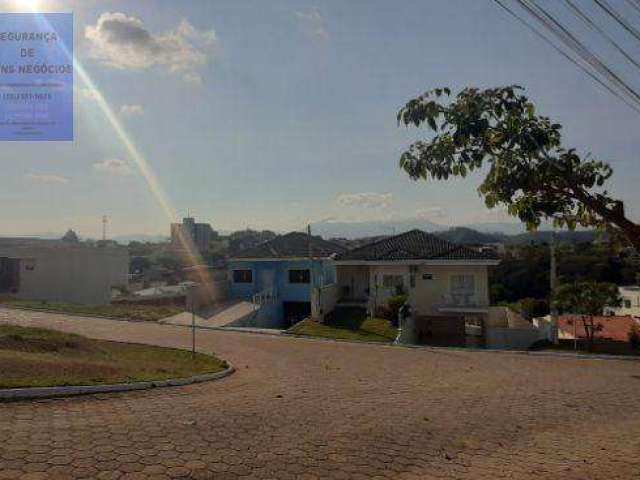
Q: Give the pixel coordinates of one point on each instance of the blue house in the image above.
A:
(278, 276)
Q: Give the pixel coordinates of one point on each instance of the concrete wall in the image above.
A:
(69, 273)
(429, 294)
(323, 301)
(512, 338)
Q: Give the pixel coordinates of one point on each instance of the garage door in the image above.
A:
(441, 331)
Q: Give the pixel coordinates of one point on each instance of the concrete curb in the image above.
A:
(14, 394)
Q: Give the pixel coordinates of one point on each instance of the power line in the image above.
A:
(567, 56)
(635, 4)
(580, 14)
(604, 5)
(567, 38)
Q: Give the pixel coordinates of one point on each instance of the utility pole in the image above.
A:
(552, 286)
(104, 227)
(310, 251)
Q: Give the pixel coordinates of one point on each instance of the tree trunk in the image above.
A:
(611, 216)
(589, 330)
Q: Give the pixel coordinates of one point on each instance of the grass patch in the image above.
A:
(130, 312)
(348, 326)
(34, 357)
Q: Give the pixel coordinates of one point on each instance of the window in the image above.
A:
(242, 276)
(392, 281)
(463, 284)
(627, 303)
(427, 276)
(299, 276)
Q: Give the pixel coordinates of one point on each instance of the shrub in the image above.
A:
(383, 311)
(394, 303)
(634, 337)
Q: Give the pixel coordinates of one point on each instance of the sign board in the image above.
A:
(36, 76)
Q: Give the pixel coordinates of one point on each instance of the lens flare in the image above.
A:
(145, 169)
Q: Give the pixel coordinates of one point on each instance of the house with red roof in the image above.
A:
(611, 328)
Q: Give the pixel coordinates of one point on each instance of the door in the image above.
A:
(442, 331)
(296, 311)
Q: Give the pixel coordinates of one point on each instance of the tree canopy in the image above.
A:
(530, 172)
(587, 300)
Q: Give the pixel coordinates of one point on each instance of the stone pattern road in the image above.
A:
(303, 409)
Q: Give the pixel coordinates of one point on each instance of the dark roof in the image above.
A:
(414, 245)
(291, 245)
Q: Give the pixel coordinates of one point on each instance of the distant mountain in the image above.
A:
(544, 236)
(469, 236)
(140, 237)
(352, 230)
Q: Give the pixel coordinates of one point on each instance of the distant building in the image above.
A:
(197, 235)
(630, 301)
(57, 271)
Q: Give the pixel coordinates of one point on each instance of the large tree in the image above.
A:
(530, 172)
(587, 300)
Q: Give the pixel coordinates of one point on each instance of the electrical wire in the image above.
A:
(567, 56)
(567, 38)
(604, 5)
(580, 14)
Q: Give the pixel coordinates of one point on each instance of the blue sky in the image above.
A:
(273, 114)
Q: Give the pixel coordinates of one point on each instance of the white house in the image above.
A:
(630, 301)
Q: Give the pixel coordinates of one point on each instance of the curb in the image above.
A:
(14, 394)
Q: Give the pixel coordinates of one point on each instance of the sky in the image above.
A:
(257, 114)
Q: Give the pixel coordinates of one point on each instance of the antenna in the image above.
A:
(104, 227)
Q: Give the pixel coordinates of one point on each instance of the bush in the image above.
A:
(634, 337)
(394, 303)
(383, 312)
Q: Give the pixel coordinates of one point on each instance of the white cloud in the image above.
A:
(131, 110)
(123, 42)
(113, 166)
(313, 24)
(47, 179)
(366, 200)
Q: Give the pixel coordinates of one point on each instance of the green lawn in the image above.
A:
(130, 312)
(349, 327)
(33, 357)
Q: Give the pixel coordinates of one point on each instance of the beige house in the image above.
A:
(440, 279)
(61, 272)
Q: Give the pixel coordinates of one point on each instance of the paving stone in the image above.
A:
(304, 409)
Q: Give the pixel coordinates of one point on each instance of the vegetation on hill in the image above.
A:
(524, 272)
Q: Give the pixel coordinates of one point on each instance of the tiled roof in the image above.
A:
(292, 245)
(614, 328)
(413, 245)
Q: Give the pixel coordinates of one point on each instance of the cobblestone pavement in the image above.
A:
(308, 409)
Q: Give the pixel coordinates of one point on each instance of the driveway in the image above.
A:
(308, 409)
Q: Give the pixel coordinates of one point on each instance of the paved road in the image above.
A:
(306, 409)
